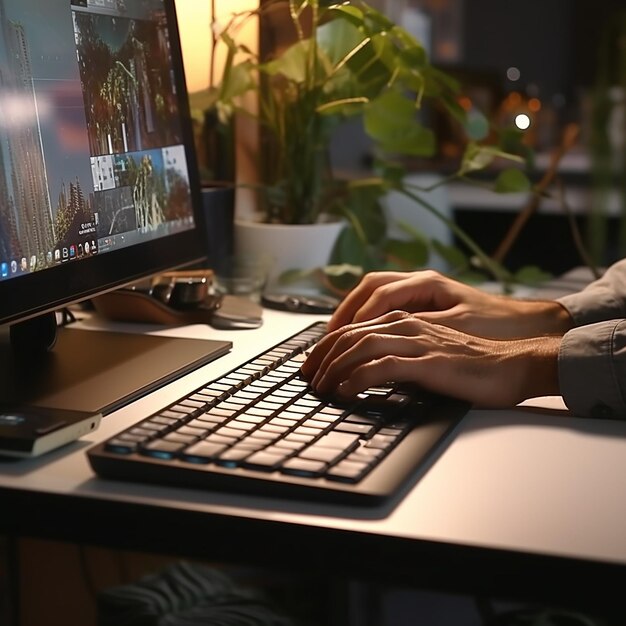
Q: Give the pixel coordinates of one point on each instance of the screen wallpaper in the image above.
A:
(91, 153)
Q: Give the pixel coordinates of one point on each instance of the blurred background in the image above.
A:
(542, 65)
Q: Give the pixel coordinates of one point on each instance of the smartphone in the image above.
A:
(300, 303)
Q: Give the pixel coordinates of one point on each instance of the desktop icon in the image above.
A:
(24, 264)
(65, 253)
(72, 251)
(4, 270)
(33, 262)
(49, 257)
(57, 255)
(86, 247)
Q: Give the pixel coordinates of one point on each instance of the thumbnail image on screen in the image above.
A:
(91, 152)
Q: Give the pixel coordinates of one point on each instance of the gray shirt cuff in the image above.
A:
(592, 369)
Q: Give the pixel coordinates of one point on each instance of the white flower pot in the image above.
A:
(281, 247)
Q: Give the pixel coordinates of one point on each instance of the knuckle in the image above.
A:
(433, 275)
(398, 315)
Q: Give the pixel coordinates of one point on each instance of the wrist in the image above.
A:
(540, 376)
(543, 317)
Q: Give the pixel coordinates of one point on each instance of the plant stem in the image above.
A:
(497, 271)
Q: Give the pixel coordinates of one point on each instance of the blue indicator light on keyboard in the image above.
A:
(196, 460)
(228, 464)
(159, 454)
(118, 449)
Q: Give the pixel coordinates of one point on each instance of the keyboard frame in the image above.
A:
(399, 468)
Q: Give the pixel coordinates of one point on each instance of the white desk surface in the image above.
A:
(523, 481)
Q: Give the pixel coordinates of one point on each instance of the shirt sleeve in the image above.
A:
(603, 299)
(592, 369)
(592, 357)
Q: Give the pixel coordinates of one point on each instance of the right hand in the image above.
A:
(442, 300)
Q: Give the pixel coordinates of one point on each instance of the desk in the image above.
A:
(515, 504)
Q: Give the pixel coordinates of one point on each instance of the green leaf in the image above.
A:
(338, 38)
(240, 80)
(343, 276)
(349, 248)
(391, 121)
(414, 233)
(512, 181)
(531, 275)
(293, 64)
(289, 277)
(350, 13)
(392, 172)
(343, 269)
(412, 254)
(366, 211)
(479, 157)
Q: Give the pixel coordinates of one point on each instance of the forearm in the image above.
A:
(501, 317)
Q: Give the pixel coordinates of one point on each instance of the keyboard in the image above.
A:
(261, 430)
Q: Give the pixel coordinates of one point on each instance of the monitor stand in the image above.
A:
(90, 370)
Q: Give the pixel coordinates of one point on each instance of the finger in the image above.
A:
(359, 295)
(379, 372)
(417, 292)
(394, 323)
(324, 346)
(380, 349)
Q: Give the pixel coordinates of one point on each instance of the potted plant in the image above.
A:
(348, 60)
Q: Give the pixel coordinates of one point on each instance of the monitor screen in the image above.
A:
(98, 181)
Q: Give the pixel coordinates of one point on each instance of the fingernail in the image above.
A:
(342, 389)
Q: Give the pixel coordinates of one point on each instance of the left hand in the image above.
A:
(401, 347)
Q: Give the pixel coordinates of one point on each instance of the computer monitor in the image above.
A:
(98, 188)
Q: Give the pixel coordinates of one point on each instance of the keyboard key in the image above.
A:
(340, 441)
(347, 471)
(120, 446)
(167, 421)
(202, 452)
(221, 439)
(193, 431)
(219, 412)
(305, 430)
(155, 427)
(242, 425)
(181, 408)
(251, 419)
(225, 431)
(161, 449)
(142, 432)
(304, 468)
(381, 441)
(265, 461)
(317, 452)
(179, 438)
(231, 457)
(365, 430)
(194, 404)
(207, 421)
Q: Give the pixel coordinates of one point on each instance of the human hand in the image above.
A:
(442, 300)
(402, 347)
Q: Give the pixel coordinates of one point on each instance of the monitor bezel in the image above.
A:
(43, 291)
